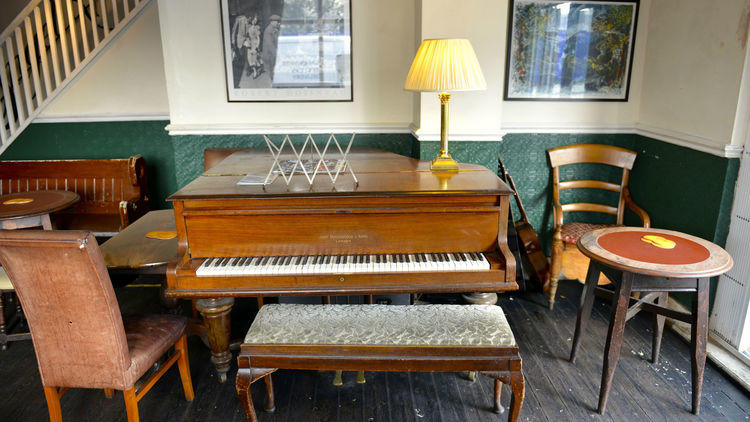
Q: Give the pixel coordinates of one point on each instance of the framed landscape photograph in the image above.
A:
(570, 50)
(287, 50)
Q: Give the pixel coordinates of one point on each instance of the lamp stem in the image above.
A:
(444, 112)
(444, 161)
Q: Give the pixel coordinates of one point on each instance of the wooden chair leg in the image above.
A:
(244, 379)
(270, 402)
(555, 267)
(183, 364)
(620, 302)
(584, 309)
(518, 390)
(658, 328)
(53, 403)
(131, 405)
(498, 393)
(3, 340)
(109, 393)
(19, 312)
(698, 340)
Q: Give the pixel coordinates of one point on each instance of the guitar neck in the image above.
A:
(512, 185)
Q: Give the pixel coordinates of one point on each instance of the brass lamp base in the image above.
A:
(444, 163)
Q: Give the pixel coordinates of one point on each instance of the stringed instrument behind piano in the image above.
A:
(403, 229)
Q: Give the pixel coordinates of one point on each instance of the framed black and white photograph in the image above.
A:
(570, 50)
(287, 50)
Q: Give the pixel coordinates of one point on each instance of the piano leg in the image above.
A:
(215, 312)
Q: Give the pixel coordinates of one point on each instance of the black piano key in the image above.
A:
(328, 259)
(224, 262)
(367, 257)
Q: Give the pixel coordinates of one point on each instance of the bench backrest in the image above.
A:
(101, 184)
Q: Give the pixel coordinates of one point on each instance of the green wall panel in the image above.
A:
(50, 141)
(483, 153)
(682, 189)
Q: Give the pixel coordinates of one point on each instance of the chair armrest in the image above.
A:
(132, 210)
(640, 212)
(557, 213)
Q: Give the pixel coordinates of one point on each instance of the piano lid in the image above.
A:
(379, 173)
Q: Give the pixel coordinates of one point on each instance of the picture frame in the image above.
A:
(570, 50)
(287, 50)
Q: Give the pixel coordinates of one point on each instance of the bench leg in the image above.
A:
(516, 399)
(498, 393)
(270, 402)
(247, 376)
(244, 379)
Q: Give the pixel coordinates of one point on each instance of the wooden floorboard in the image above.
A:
(555, 389)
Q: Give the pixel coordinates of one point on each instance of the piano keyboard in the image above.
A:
(332, 264)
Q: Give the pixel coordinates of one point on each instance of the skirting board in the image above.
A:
(733, 364)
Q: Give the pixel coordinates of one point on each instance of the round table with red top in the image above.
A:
(654, 261)
(31, 209)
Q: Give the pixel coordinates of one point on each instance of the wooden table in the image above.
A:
(32, 209)
(24, 210)
(670, 262)
(133, 251)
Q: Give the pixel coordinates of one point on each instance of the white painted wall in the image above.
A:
(474, 115)
(126, 80)
(693, 68)
(685, 86)
(383, 34)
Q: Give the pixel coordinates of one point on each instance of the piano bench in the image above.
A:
(425, 338)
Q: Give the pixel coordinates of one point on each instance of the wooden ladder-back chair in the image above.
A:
(80, 338)
(569, 233)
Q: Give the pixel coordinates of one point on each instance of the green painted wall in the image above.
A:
(103, 140)
(682, 189)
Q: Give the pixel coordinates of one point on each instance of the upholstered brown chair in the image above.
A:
(567, 234)
(80, 338)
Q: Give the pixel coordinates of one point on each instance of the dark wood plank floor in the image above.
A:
(555, 389)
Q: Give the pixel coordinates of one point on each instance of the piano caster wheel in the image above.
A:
(337, 381)
(222, 377)
(361, 377)
(472, 376)
(270, 410)
(480, 298)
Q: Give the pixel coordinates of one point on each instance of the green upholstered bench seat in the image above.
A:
(381, 325)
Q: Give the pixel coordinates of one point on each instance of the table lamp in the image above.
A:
(443, 65)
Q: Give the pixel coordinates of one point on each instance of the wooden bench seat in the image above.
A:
(112, 192)
(425, 338)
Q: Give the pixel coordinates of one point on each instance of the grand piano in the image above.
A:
(401, 229)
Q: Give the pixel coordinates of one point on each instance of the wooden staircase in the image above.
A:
(46, 47)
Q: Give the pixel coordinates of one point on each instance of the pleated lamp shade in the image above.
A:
(445, 65)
